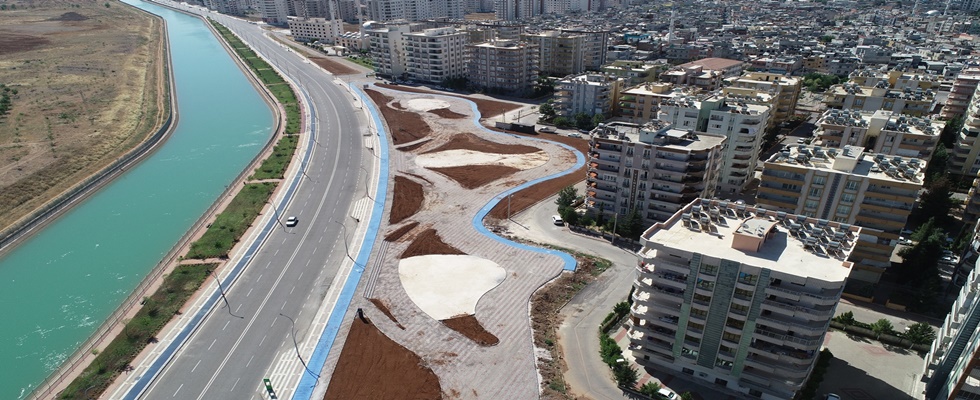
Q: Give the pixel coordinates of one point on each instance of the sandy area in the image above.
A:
(446, 286)
(457, 158)
(423, 105)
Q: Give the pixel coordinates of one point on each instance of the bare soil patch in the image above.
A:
(469, 326)
(372, 366)
(487, 108)
(469, 141)
(386, 311)
(398, 233)
(474, 176)
(529, 196)
(333, 67)
(405, 127)
(428, 242)
(412, 147)
(89, 89)
(447, 113)
(420, 177)
(408, 198)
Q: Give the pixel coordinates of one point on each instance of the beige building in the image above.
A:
(895, 91)
(650, 168)
(589, 94)
(737, 296)
(435, 55)
(559, 53)
(964, 87)
(388, 47)
(507, 66)
(964, 157)
(641, 104)
(881, 132)
(782, 92)
(307, 29)
(874, 191)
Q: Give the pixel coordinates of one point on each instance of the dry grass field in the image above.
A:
(86, 79)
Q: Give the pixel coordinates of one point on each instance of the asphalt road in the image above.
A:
(234, 349)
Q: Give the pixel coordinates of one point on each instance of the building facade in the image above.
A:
(307, 29)
(742, 123)
(650, 168)
(559, 53)
(506, 66)
(964, 87)
(749, 312)
(881, 132)
(874, 191)
(641, 104)
(590, 94)
(965, 155)
(435, 55)
(388, 48)
(783, 92)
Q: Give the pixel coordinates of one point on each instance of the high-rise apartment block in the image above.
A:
(952, 367)
(435, 55)
(589, 94)
(641, 104)
(882, 132)
(742, 123)
(506, 66)
(388, 48)
(563, 53)
(306, 29)
(964, 88)
(965, 156)
(871, 90)
(783, 92)
(414, 10)
(649, 168)
(737, 296)
(874, 191)
(273, 11)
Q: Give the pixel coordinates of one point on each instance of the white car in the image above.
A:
(575, 135)
(831, 396)
(556, 219)
(667, 394)
(292, 221)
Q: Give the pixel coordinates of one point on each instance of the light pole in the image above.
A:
(296, 346)
(276, 213)
(367, 181)
(346, 247)
(223, 297)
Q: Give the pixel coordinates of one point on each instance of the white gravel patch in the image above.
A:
(458, 158)
(446, 286)
(423, 105)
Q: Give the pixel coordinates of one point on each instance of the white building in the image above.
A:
(324, 30)
(743, 124)
(747, 312)
(414, 10)
(435, 55)
(273, 11)
(590, 94)
(507, 66)
(388, 48)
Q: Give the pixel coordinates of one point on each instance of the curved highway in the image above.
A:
(234, 348)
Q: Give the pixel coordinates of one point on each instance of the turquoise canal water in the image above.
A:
(61, 284)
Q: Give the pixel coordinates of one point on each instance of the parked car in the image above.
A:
(831, 396)
(575, 135)
(547, 129)
(667, 394)
(292, 221)
(556, 219)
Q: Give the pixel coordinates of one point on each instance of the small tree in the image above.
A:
(687, 396)
(880, 327)
(626, 375)
(547, 111)
(650, 389)
(846, 319)
(566, 196)
(920, 333)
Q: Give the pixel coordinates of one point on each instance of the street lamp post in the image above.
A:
(346, 246)
(296, 346)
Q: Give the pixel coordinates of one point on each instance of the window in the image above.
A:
(815, 192)
(811, 204)
(746, 278)
(843, 210)
(709, 269)
(698, 313)
(731, 337)
(819, 180)
(791, 187)
(852, 185)
(847, 198)
(739, 309)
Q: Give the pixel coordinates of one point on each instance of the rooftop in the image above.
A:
(853, 160)
(714, 63)
(788, 243)
(658, 133)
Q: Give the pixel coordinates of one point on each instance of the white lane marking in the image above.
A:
(249, 292)
(261, 341)
(235, 384)
(249, 361)
(178, 389)
(283, 306)
(226, 324)
(212, 343)
(239, 307)
(291, 290)
(195, 365)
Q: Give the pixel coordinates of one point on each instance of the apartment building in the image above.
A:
(972, 212)
(559, 53)
(635, 72)
(951, 367)
(414, 10)
(388, 48)
(783, 92)
(965, 155)
(871, 90)
(435, 55)
(273, 12)
(641, 104)
(230, 7)
(306, 29)
(589, 94)
(512, 10)
(506, 66)
(749, 311)
(882, 132)
(964, 87)
(742, 123)
(594, 45)
(650, 168)
(874, 191)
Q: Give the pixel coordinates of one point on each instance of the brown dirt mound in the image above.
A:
(398, 233)
(405, 127)
(372, 366)
(474, 176)
(387, 312)
(447, 113)
(333, 67)
(14, 43)
(468, 326)
(426, 243)
(407, 200)
(70, 16)
(487, 108)
(530, 196)
(469, 141)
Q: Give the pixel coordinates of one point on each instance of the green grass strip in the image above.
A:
(275, 166)
(156, 312)
(228, 228)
